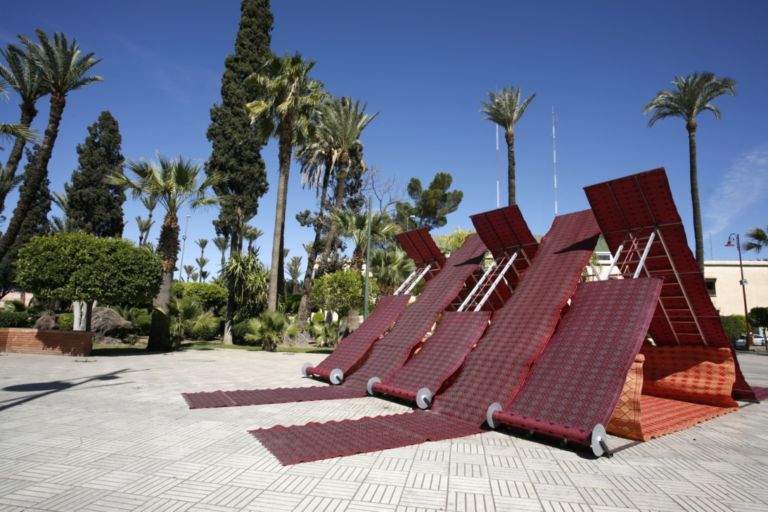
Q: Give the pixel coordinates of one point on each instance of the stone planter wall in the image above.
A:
(32, 341)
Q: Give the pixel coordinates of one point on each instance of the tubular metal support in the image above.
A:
(477, 286)
(406, 282)
(647, 249)
(496, 282)
(614, 260)
(419, 278)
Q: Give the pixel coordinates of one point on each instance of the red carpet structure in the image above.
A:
(495, 370)
(690, 372)
(388, 354)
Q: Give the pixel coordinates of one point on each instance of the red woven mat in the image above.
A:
(440, 357)
(641, 203)
(760, 393)
(353, 349)
(578, 379)
(393, 350)
(660, 416)
(495, 369)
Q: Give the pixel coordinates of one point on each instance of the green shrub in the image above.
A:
(66, 321)
(15, 305)
(205, 327)
(341, 291)
(14, 319)
(239, 330)
(210, 296)
(141, 320)
(734, 326)
(268, 330)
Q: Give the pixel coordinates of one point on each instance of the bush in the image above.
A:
(66, 321)
(205, 327)
(140, 318)
(239, 330)
(210, 296)
(734, 326)
(341, 291)
(269, 329)
(14, 319)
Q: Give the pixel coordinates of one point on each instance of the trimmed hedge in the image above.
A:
(14, 319)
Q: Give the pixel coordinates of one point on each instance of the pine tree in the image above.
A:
(95, 206)
(35, 223)
(236, 157)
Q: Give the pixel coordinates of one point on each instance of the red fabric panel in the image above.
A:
(352, 349)
(636, 205)
(440, 357)
(420, 246)
(394, 349)
(504, 230)
(207, 400)
(578, 379)
(521, 329)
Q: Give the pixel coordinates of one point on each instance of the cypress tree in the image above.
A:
(35, 223)
(236, 146)
(95, 206)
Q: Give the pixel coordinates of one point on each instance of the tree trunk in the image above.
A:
(28, 113)
(509, 135)
(88, 315)
(36, 175)
(338, 201)
(304, 304)
(168, 248)
(235, 246)
(78, 313)
(286, 141)
(697, 229)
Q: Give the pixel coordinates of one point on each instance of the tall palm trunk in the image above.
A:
(36, 175)
(168, 247)
(304, 305)
(338, 201)
(695, 203)
(235, 246)
(286, 145)
(28, 113)
(509, 135)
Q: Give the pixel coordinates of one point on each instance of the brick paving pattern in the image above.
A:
(111, 434)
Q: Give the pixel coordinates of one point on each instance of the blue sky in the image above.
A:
(426, 66)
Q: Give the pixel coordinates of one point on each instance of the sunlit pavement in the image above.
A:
(113, 434)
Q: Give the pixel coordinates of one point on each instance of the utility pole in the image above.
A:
(367, 262)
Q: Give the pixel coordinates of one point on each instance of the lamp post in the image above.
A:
(367, 262)
(731, 238)
(183, 245)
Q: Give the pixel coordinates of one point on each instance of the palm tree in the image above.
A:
(691, 95)
(144, 226)
(355, 227)
(288, 98)
(62, 68)
(251, 234)
(294, 272)
(342, 125)
(221, 243)
(202, 261)
(759, 239)
(191, 272)
(390, 266)
(175, 184)
(22, 75)
(505, 109)
(61, 224)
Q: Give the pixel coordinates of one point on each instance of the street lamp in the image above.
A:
(183, 246)
(731, 238)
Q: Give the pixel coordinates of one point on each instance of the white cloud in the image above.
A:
(742, 185)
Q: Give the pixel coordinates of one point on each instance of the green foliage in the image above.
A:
(210, 296)
(758, 239)
(268, 329)
(341, 291)
(15, 305)
(206, 326)
(246, 275)
(453, 240)
(93, 205)
(140, 318)
(66, 321)
(430, 206)
(239, 330)
(236, 157)
(14, 319)
(734, 326)
(35, 223)
(78, 266)
(758, 317)
(325, 332)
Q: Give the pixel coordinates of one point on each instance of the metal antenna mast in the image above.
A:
(498, 171)
(554, 154)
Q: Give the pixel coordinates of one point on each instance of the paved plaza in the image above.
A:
(113, 434)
